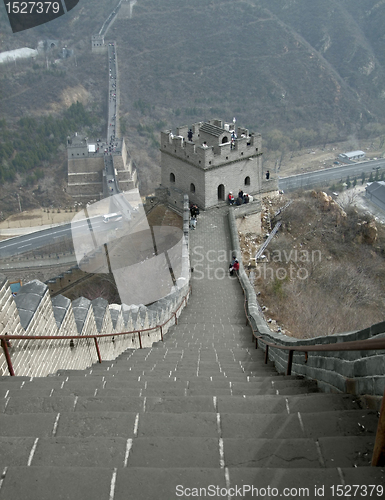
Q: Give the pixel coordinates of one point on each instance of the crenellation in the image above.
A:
(116, 317)
(100, 308)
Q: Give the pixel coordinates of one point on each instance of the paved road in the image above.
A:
(329, 175)
(50, 236)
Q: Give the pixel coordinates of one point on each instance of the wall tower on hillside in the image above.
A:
(98, 43)
(87, 168)
(210, 160)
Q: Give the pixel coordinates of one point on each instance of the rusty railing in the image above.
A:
(6, 339)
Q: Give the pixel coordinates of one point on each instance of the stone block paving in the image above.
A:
(198, 415)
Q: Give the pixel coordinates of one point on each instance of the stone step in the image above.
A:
(80, 452)
(34, 404)
(27, 424)
(59, 483)
(138, 399)
(282, 453)
(309, 403)
(144, 483)
(309, 483)
(97, 424)
(340, 423)
(347, 451)
(320, 403)
(170, 452)
(207, 452)
(13, 380)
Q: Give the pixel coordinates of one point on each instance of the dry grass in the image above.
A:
(321, 275)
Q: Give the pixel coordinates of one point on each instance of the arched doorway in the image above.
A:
(225, 139)
(221, 192)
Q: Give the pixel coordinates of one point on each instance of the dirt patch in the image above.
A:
(37, 217)
(68, 96)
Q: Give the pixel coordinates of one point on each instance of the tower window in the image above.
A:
(172, 178)
(192, 188)
(247, 181)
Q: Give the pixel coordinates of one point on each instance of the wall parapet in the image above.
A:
(209, 156)
(33, 313)
(352, 372)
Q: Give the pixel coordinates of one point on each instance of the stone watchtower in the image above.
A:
(217, 159)
(98, 43)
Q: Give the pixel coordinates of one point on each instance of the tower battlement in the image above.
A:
(212, 144)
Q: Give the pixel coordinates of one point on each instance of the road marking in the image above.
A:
(128, 448)
(112, 486)
(221, 454)
(136, 424)
(3, 476)
(55, 425)
(32, 452)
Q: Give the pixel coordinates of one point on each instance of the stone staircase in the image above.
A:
(199, 410)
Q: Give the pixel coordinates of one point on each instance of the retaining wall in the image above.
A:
(353, 372)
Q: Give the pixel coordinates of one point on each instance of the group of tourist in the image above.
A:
(234, 265)
(242, 198)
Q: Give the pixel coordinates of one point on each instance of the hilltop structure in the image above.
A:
(89, 164)
(210, 160)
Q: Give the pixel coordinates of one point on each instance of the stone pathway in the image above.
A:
(198, 415)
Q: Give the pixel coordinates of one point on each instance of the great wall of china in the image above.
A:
(33, 312)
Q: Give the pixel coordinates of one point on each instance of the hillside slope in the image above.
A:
(312, 70)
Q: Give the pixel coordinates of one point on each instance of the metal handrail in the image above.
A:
(6, 339)
(378, 457)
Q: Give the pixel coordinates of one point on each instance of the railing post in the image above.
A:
(289, 362)
(378, 459)
(256, 342)
(97, 349)
(266, 354)
(140, 340)
(161, 332)
(176, 319)
(4, 345)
